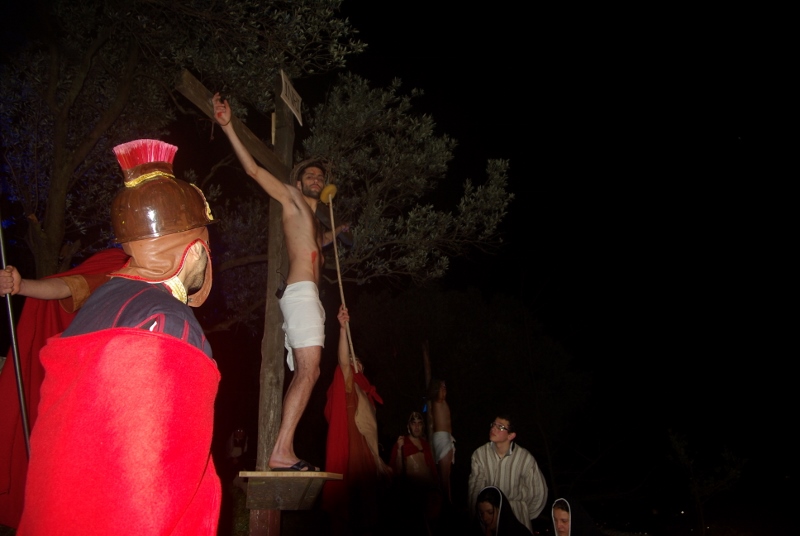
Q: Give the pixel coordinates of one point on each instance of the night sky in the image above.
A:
(651, 229)
(645, 158)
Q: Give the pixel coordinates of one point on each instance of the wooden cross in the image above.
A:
(268, 493)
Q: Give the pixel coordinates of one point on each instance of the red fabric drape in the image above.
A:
(335, 498)
(122, 443)
(40, 320)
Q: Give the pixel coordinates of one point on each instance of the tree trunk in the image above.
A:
(44, 248)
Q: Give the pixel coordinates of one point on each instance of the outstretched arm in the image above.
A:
(11, 282)
(269, 182)
(344, 348)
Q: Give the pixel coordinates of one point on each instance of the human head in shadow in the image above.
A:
(494, 515)
(569, 519)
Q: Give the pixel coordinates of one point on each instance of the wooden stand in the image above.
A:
(284, 490)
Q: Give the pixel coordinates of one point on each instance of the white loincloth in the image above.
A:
(303, 318)
(442, 442)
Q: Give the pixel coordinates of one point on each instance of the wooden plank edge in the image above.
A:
(291, 474)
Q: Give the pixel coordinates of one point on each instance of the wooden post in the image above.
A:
(268, 522)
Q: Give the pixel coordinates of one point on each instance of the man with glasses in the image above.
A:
(503, 463)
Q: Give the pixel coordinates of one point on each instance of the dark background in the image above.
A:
(651, 227)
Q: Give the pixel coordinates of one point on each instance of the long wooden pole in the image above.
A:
(23, 406)
(341, 287)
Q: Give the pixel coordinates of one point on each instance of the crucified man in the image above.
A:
(304, 317)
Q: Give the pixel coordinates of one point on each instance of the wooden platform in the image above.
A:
(284, 490)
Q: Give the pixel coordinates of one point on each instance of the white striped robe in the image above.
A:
(517, 474)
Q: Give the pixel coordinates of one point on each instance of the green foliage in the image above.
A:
(241, 274)
(99, 73)
(389, 166)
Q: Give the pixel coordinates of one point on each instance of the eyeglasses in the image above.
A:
(498, 426)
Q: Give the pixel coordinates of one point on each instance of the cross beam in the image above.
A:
(194, 90)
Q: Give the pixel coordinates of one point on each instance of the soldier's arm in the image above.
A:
(11, 282)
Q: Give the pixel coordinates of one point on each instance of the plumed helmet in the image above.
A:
(159, 218)
(153, 202)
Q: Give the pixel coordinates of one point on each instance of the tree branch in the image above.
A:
(239, 317)
(243, 261)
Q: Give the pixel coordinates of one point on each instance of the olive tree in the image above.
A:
(408, 218)
(97, 73)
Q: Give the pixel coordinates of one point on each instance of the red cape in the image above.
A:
(122, 443)
(40, 320)
(337, 450)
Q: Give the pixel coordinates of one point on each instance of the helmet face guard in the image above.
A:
(155, 260)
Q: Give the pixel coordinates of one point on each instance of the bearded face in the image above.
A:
(311, 182)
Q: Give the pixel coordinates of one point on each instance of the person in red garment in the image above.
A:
(416, 478)
(50, 306)
(352, 446)
(122, 441)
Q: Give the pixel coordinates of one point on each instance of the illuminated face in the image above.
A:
(415, 428)
(311, 182)
(488, 515)
(498, 432)
(561, 519)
